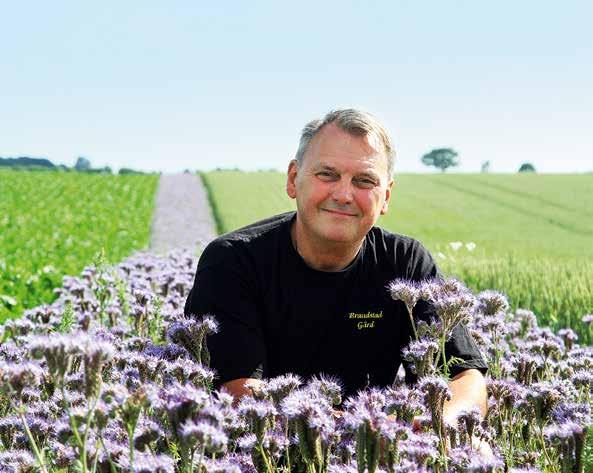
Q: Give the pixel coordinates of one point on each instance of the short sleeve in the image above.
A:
(224, 287)
(421, 264)
(461, 344)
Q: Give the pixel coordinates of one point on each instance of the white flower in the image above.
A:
(441, 255)
(470, 245)
(455, 245)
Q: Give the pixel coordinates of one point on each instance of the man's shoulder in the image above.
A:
(247, 238)
(260, 228)
(401, 254)
(394, 240)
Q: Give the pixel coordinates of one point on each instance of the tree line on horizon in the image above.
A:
(444, 158)
(26, 163)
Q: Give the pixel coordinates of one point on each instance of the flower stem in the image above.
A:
(412, 321)
(38, 455)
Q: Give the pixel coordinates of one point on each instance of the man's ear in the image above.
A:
(387, 197)
(291, 179)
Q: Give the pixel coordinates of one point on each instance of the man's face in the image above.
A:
(341, 187)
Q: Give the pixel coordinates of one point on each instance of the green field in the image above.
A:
(52, 224)
(533, 233)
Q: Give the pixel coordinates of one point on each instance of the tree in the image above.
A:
(441, 158)
(527, 167)
(486, 166)
(82, 164)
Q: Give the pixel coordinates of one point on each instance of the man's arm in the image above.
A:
(468, 389)
(224, 287)
(242, 387)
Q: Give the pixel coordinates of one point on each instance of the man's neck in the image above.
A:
(322, 256)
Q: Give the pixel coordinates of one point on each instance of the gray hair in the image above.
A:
(352, 121)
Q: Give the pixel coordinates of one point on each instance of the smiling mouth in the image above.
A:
(337, 212)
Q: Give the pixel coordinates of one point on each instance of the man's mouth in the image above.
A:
(339, 212)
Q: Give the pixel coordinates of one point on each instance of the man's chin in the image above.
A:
(339, 238)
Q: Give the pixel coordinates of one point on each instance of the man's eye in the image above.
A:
(325, 174)
(366, 183)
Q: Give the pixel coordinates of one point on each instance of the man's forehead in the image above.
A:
(333, 143)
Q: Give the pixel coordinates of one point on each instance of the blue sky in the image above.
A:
(174, 85)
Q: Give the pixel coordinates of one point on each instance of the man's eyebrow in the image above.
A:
(369, 175)
(326, 167)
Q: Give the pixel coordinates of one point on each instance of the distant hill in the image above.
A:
(27, 162)
(42, 164)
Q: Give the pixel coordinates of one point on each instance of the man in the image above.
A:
(305, 292)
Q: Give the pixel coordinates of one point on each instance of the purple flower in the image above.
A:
(342, 468)
(577, 412)
(568, 336)
(223, 465)
(420, 449)
(243, 461)
(63, 455)
(420, 354)
(527, 319)
(583, 379)
(168, 352)
(17, 461)
(9, 425)
(11, 353)
(15, 378)
(259, 414)
(525, 469)
(203, 434)
(247, 442)
(453, 310)
(505, 392)
(281, 386)
(403, 402)
(147, 431)
(95, 355)
(189, 371)
(468, 420)
(542, 398)
(147, 463)
(312, 417)
(491, 303)
(525, 366)
(180, 402)
(406, 291)
(481, 464)
(436, 392)
(328, 387)
(191, 335)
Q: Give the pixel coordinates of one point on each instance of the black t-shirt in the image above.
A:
(277, 312)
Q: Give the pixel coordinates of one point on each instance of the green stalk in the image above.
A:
(445, 367)
(72, 421)
(38, 455)
(546, 454)
(86, 430)
(96, 460)
(412, 322)
(202, 450)
(111, 464)
(131, 429)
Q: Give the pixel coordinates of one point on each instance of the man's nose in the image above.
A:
(342, 193)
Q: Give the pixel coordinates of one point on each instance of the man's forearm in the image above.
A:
(468, 389)
(242, 387)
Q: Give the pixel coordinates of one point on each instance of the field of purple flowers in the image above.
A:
(112, 377)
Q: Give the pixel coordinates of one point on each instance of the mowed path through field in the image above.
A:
(182, 217)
